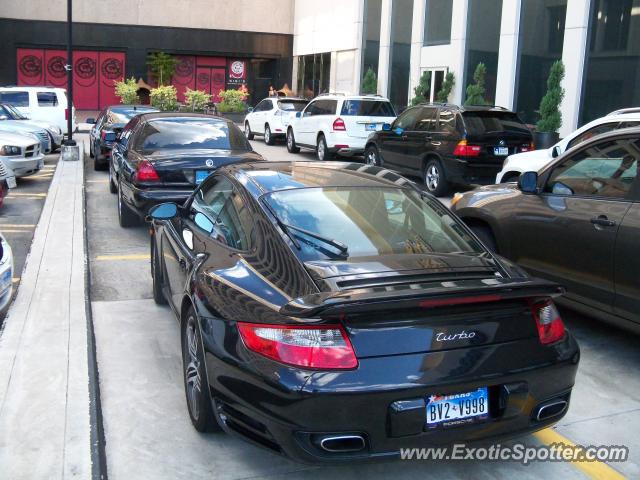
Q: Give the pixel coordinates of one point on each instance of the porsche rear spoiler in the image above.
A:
(426, 295)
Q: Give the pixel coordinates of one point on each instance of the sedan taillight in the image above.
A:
(322, 347)
(339, 125)
(145, 172)
(550, 325)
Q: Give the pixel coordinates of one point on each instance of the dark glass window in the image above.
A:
(367, 108)
(17, 99)
(437, 22)
(538, 49)
(121, 115)
(190, 133)
(592, 132)
(371, 40)
(313, 74)
(292, 105)
(485, 122)
(401, 26)
(428, 120)
(483, 41)
(47, 99)
(606, 169)
(408, 118)
(447, 121)
(613, 62)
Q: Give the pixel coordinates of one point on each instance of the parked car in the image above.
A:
(110, 122)
(576, 222)
(625, 110)
(20, 154)
(337, 312)
(22, 128)
(338, 124)
(161, 157)
(7, 179)
(6, 274)
(271, 117)
(446, 144)
(48, 104)
(55, 134)
(514, 165)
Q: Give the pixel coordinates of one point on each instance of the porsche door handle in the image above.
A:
(603, 221)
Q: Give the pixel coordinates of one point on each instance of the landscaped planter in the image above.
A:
(544, 140)
(235, 117)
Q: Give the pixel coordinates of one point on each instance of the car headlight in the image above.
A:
(9, 150)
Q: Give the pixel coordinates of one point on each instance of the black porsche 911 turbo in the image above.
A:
(335, 312)
(162, 157)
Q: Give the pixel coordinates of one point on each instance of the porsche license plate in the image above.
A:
(458, 408)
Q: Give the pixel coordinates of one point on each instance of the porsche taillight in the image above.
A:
(318, 347)
(550, 325)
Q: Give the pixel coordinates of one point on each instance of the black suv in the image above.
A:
(447, 144)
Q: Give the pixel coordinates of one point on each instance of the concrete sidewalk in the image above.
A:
(44, 381)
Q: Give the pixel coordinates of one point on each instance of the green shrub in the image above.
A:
(196, 100)
(162, 66)
(475, 91)
(233, 101)
(423, 90)
(370, 83)
(550, 116)
(445, 90)
(164, 98)
(127, 90)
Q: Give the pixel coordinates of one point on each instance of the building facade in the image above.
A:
(218, 44)
(517, 40)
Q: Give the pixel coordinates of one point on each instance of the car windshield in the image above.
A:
(488, 122)
(367, 108)
(123, 115)
(15, 113)
(365, 221)
(191, 133)
(292, 105)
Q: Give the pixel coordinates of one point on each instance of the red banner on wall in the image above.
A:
(85, 80)
(55, 73)
(30, 66)
(185, 75)
(111, 71)
(217, 83)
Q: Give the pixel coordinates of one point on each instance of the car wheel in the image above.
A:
(434, 179)
(112, 184)
(486, 236)
(247, 131)
(196, 385)
(291, 142)
(98, 165)
(322, 151)
(126, 217)
(268, 138)
(372, 156)
(156, 275)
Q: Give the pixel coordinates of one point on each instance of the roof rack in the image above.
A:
(441, 104)
(331, 93)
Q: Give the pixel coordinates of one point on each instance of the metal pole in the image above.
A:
(70, 140)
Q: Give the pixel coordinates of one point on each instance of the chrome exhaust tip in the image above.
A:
(551, 409)
(343, 443)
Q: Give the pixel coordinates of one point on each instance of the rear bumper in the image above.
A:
(143, 199)
(464, 172)
(290, 411)
(343, 144)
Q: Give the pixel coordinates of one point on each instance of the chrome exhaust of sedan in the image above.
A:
(551, 409)
(343, 443)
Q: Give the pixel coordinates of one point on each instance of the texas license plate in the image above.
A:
(501, 151)
(458, 408)
(370, 127)
(11, 182)
(201, 175)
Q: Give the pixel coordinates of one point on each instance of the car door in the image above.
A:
(627, 260)
(391, 142)
(568, 232)
(418, 141)
(257, 118)
(94, 133)
(304, 124)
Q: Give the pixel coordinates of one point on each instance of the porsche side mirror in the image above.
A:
(164, 211)
(528, 182)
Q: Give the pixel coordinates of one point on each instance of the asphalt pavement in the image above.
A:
(147, 428)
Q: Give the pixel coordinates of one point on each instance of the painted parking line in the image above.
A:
(16, 225)
(20, 194)
(596, 469)
(135, 256)
(97, 181)
(10, 230)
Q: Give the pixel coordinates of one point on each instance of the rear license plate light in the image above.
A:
(457, 409)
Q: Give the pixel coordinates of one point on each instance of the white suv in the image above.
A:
(534, 160)
(271, 117)
(47, 104)
(334, 123)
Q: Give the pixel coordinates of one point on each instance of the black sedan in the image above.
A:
(335, 312)
(162, 157)
(106, 127)
(576, 222)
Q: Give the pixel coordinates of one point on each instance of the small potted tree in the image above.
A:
(370, 83)
(445, 90)
(127, 91)
(233, 105)
(476, 90)
(422, 90)
(546, 134)
(164, 98)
